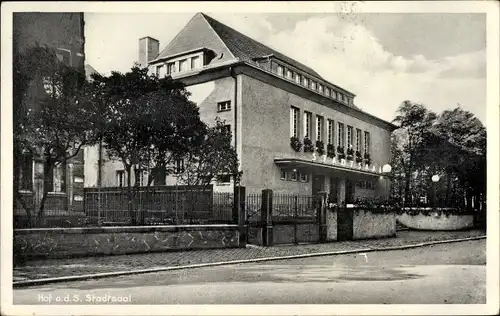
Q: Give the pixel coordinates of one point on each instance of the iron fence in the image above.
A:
(288, 206)
(253, 205)
(142, 206)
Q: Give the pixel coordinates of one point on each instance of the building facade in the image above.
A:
(64, 33)
(268, 99)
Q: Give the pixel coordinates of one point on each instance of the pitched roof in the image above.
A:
(246, 48)
(239, 45)
(89, 71)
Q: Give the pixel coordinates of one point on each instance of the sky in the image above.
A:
(437, 59)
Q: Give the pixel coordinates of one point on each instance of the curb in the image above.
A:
(27, 283)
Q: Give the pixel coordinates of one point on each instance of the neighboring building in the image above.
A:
(63, 32)
(266, 98)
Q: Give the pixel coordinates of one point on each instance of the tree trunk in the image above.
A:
(48, 166)
(130, 196)
(18, 197)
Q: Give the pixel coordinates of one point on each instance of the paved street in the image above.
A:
(452, 273)
(50, 268)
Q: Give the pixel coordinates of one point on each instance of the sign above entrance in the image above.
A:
(324, 159)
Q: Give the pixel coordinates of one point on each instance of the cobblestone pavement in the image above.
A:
(50, 268)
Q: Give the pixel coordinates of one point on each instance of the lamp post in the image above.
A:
(386, 169)
(435, 179)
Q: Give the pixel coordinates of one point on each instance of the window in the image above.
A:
(183, 65)
(224, 178)
(26, 173)
(303, 177)
(330, 132)
(280, 70)
(159, 176)
(334, 94)
(227, 128)
(139, 177)
(224, 106)
(358, 140)
(341, 135)
(319, 128)
(294, 122)
(320, 88)
(120, 178)
(305, 82)
(367, 143)
(307, 124)
(195, 62)
(298, 78)
(293, 175)
(313, 85)
(57, 179)
(179, 165)
(328, 91)
(349, 136)
(158, 70)
(170, 68)
(289, 74)
(282, 174)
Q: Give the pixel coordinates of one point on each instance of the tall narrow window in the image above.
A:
(328, 91)
(120, 178)
(183, 65)
(294, 122)
(280, 70)
(334, 94)
(159, 175)
(139, 177)
(289, 74)
(330, 132)
(367, 143)
(26, 173)
(307, 124)
(319, 128)
(358, 140)
(313, 85)
(341, 135)
(179, 165)
(57, 177)
(349, 136)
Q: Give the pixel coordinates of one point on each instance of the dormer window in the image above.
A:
(298, 78)
(170, 68)
(289, 74)
(320, 88)
(328, 91)
(280, 70)
(305, 82)
(183, 65)
(195, 62)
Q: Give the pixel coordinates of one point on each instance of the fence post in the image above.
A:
(322, 216)
(239, 214)
(266, 217)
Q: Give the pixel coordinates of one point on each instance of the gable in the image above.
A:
(198, 34)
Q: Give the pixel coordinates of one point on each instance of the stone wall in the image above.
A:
(331, 225)
(77, 242)
(437, 221)
(290, 233)
(373, 225)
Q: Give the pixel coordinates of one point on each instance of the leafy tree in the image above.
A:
(212, 159)
(51, 120)
(414, 122)
(146, 123)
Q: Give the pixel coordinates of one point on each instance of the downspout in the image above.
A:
(231, 70)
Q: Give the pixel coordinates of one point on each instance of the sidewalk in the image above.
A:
(53, 268)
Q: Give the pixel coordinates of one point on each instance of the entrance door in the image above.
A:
(334, 189)
(349, 191)
(318, 183)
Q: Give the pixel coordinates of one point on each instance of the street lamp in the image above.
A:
(386, 169)
(435, 179)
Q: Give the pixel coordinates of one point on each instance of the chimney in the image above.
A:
(149, 48)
